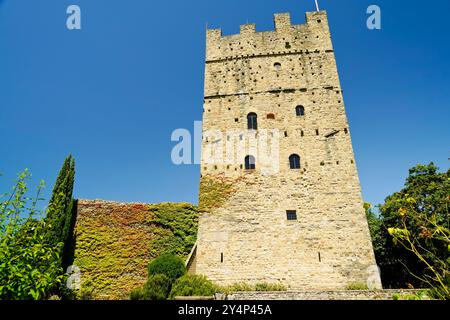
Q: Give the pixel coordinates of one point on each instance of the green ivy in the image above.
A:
(113, 250)
(176, 226)
(214, 192)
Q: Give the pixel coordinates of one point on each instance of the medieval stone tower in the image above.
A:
(280, 198)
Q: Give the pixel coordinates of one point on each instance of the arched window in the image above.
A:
(270, 116)
(277, 66)
(252, 121)
(250, 163)
(299, 111)
(294, 161)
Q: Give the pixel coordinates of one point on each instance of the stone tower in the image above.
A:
(280, 199)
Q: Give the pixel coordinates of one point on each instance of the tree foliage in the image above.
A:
(60, 214)
(408, 236)
(29, 266)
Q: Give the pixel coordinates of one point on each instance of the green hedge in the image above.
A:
(169, 265)
(192, 285)
(157, 288)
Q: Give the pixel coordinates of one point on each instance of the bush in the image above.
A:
(157, 288)
(357, 286)
(192, 285)
(30, 268)
(263, 286)
(169, 265)
(237, 287)
(137, 294)
(270, 287)
(421, 295)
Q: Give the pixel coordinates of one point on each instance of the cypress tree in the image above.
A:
(59, 214)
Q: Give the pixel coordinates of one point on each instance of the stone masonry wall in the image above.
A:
(322, 295)
(247, 238)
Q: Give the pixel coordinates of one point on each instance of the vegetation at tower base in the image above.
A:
(115, 242)
(30, 267)
(411, 236)
(169, 265)
(214, 192)
(157, 287)
(162, 273)
(192, 285)
(243, 286)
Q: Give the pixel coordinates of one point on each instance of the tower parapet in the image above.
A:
(286, 38)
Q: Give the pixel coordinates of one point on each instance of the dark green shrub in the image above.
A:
(137, 294)
(168, 264)
(157, 288)
(192, 285)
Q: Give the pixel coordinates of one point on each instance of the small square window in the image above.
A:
(291, 215)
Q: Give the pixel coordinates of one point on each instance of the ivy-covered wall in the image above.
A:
(114, 242)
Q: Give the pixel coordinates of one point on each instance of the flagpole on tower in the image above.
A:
(317, 6)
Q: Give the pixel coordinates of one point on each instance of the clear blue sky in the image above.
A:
(112, 93)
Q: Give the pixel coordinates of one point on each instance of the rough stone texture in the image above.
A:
(248, 238)
(321, 295)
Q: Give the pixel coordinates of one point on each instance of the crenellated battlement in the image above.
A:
(285, 38)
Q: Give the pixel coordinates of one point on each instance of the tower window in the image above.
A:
(252, 121)
(250, 163)
(294, 161)
(271, 116)
(291, 215)
(277, 66)
(300, 111)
